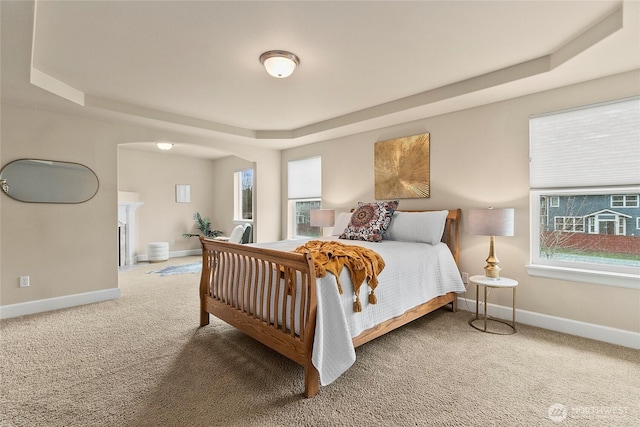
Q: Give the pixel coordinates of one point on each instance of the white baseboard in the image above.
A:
(559, 324)
(38, 306)
(174, 254)
(573, 327)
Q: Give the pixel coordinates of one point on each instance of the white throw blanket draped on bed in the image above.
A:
(414, 273)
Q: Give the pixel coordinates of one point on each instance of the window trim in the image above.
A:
(625, 201)
(312, 191)
(625, 277)
(573, 221)
(607, 278)
(237, 198)
(292, 214)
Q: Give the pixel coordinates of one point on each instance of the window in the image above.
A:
(243, 195)
(305, 189)
(585, 193)
(569, 224)
(624, 201)
(301, 218)
(544, 212)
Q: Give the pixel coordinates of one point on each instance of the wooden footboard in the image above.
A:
(271, 296)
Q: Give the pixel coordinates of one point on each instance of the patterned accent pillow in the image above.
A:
(369, 221)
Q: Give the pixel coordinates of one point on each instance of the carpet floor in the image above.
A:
(142, 360)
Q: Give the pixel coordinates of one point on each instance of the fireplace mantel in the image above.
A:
(128, 209)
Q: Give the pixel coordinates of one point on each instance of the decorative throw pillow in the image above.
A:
(342, 221)
(369, 221)
(426, 227)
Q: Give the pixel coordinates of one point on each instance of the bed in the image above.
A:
(271, 293)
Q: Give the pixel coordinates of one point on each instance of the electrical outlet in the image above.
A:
(24, 281)
(465, 278)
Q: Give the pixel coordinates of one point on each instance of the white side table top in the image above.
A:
(502, 282)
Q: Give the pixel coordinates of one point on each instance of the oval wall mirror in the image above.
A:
(48, 181)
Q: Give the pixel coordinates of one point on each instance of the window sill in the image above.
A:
(620, 280)
(242, 221)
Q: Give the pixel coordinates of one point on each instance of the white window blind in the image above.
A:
(305, 178)
(593, 146)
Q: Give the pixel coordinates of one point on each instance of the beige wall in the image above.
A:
(153, 176)
(224, 200)
(480, 158)
(72, 250)
(65, 248)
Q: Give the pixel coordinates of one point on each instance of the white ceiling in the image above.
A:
(193, 66)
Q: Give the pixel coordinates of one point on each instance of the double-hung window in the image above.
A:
(585, 192)
(624, 200)
(304, 194)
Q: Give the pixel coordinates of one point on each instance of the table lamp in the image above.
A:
(322, 217)
(491, 222)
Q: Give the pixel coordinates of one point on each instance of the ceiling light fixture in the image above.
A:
(164, 145)
(279, 63)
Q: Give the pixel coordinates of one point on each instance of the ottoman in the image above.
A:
(158, 251)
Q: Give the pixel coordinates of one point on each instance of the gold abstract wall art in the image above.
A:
(402, 168)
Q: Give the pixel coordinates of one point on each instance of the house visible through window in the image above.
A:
(563, 234)
(625, 200)
(585, 194)
(304, 194)
(243, 194)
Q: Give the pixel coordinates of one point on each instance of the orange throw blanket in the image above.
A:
(363, 264)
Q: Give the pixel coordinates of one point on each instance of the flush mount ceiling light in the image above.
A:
(279, 63)
(164, 145)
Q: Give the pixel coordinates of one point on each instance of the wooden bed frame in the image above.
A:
(230, 288)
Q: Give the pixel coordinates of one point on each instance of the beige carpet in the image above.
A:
(143, 361)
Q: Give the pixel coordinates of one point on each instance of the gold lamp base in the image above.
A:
(492, 271)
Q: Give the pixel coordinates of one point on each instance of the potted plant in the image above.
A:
(204, 225)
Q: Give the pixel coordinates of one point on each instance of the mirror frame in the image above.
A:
(5, 183)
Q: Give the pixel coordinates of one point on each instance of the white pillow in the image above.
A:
(236, 234)
(344, 218)
(424, 227)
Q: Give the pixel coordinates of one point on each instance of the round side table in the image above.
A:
(487, 282)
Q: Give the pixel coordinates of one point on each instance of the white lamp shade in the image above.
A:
(491, 222)
(323, 217)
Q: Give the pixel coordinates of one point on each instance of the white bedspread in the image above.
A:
(414, 273)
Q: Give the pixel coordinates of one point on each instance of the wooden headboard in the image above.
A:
(451, 230)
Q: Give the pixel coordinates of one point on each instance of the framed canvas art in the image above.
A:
(402, 168)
